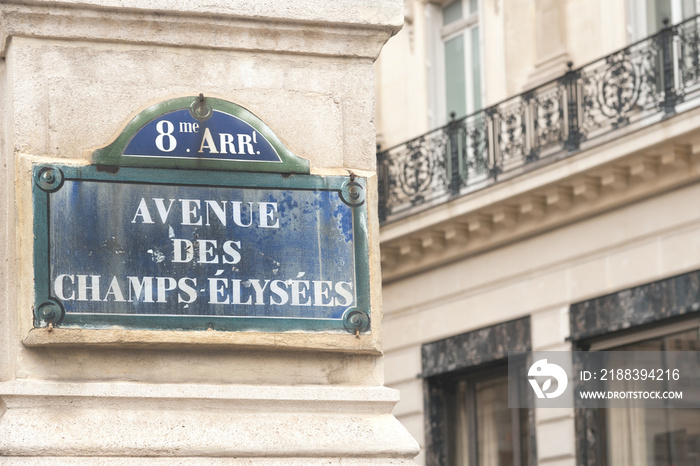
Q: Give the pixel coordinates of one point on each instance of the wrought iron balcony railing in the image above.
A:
(639, 85)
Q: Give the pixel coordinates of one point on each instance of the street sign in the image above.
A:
(173, 249)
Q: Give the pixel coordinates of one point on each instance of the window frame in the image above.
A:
(491, 372)
(610, 342)
(438, 35)
(596, 420)
(637, 17)
(623, 317)
(446, 361)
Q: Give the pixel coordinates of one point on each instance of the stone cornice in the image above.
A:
(209, 28)
(659, 158)
(362, 12)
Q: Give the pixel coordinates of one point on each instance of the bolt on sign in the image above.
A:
(197, 217)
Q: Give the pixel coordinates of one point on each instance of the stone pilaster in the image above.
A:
(72, 73)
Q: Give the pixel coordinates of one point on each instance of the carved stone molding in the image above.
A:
(588, 183)
(207, 27)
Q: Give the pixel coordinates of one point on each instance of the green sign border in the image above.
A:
(48, 310)
(112, 154)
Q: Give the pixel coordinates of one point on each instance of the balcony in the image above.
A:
(612, 97)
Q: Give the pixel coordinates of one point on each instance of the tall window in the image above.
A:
(652, 437)
(647, 16)
(483, 430)
(456, 61)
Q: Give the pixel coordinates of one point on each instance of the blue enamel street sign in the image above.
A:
(164, 248)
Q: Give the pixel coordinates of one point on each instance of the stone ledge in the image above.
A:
(286, 461)
(315, 398)
(327, 342)
(52, 419)
(197, 28)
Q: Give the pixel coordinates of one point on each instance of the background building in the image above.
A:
(538, 173)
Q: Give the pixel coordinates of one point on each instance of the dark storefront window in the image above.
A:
(483, 430)
(661, 317)
(653, 437)
(468, 422)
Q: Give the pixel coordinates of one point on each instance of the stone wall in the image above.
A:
(72, 74)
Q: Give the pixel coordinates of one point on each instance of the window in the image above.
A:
(652, 437)
(483, 430)
(659, 316)
(456, 81)
(468, 422)
(646, 16)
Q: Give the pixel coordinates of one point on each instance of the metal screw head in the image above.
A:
(352, 193)
(356, 320)
(50, 312)
(48, 177)
(200, 109)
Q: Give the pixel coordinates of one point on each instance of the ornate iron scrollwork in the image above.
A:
(624, 90)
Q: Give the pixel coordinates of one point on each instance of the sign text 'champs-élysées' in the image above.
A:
(222, 255)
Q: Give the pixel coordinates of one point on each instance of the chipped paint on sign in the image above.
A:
(146, 249)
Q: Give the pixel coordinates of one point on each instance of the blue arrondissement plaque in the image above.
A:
(221, 137)
(163, 248)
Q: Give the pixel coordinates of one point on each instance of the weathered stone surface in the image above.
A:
(377, 13)
(201, 420)
(72, 74)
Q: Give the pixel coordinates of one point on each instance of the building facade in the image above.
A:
(539, 167)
